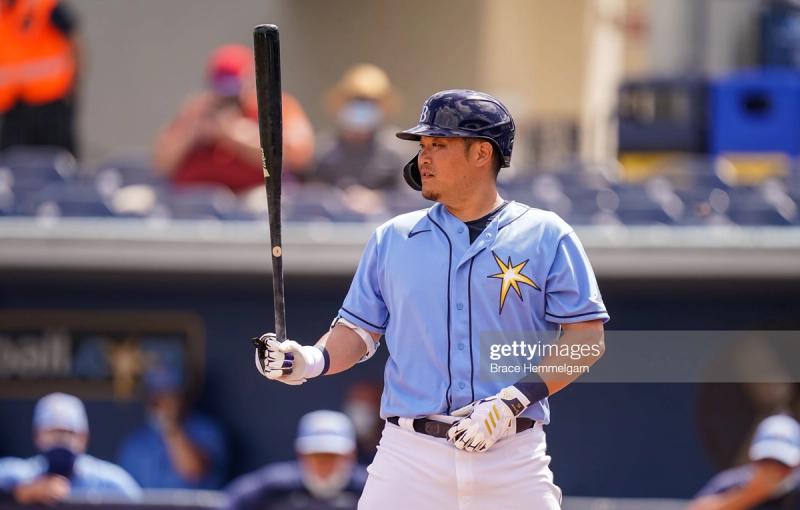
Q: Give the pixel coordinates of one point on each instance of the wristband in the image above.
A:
(533, 388)
(326, 359)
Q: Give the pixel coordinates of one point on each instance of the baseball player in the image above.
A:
(432, 282)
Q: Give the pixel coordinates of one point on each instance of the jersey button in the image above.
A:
(460, 347)
(460, 306)
(460, 230)
(461, 385)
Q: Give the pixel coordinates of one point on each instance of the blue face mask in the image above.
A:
(360, 115)
(60, 461)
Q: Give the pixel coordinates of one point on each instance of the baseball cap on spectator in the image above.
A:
(325, 432)
(777, 438)
(60, 411)
(228, 68)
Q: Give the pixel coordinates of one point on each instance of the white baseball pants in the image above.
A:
(413, 471)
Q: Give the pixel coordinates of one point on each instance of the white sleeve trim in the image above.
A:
(366, 337)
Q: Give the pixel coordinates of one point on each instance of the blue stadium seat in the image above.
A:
(644, 216)
(759, 216)
(761, 206)
(35, 167)
(315, 202)
(130, 170)
(581, 180)
(402, 201)
(65, 199)
(637, 207)
(691, 174)
(201, 201)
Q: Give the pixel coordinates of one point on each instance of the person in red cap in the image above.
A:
(214, 137)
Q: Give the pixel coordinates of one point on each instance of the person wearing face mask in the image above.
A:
(362, 155)
(63, 468)
(324, 476)
(176, 448)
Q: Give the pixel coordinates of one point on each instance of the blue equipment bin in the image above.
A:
(756, 111)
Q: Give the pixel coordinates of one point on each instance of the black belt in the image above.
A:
(439, 429)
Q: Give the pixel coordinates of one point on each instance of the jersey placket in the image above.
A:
(463, 349)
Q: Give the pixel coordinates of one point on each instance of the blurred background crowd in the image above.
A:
(129, 123)
(621, 123)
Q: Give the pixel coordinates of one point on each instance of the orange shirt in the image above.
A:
(37, 64)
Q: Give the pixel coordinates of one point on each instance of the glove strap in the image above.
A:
(533, 389)
(514, 399)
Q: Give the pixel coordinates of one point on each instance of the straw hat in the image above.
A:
(363, 81)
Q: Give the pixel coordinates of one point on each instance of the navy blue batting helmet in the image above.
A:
(461, 113)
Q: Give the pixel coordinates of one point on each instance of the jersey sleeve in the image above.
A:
(571, 292)
(364, 304)
(120, 481)
(14, 471)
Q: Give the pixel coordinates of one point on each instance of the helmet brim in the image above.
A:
(420, 130)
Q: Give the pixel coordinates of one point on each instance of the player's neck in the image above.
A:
(476, 205)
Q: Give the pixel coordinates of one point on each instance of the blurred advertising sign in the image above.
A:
(98, 354)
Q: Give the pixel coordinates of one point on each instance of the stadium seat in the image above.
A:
(130, 170)
(637, 206)
(35, 167)
(315, 202)
(65, 199)
(201, 202)
(760, 216)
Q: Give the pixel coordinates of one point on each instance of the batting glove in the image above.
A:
(488, 420)
(288, 361)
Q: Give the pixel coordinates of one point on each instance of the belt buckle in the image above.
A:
(435, 428)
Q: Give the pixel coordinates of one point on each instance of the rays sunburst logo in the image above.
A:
(511, 276)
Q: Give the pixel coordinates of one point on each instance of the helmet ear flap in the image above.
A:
(412, 175)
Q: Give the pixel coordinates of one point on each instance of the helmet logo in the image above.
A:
(423, 116)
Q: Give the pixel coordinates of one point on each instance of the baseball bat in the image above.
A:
(267, 53)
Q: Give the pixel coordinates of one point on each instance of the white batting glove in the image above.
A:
(488, 420)
(288, 361)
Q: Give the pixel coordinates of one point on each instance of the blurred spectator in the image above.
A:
(61, 433)
(214, 137)
(176, 449)
(362, 405)
(767, 481)
(39, 70)
(325, 475)
(362, 153)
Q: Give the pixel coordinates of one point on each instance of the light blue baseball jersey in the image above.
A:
(92, 477)
(431, 293)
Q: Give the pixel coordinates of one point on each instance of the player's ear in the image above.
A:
(484, 153)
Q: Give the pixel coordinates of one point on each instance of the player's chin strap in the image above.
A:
(371, 344)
